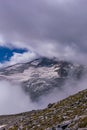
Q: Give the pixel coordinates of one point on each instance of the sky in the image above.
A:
(6, 53)
(45, 27)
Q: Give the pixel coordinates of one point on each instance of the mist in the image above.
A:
(14, 100)
(71, 87)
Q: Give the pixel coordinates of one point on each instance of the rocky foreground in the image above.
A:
(68, 114)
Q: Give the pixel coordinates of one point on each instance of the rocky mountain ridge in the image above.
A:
(42, 75)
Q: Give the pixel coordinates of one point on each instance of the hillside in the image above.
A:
(68, 114)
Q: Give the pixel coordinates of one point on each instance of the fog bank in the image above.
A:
(14, 100)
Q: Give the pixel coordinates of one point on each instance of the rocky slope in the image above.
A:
(68, 114)
(42, 75)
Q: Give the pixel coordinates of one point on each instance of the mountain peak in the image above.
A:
(42, 75)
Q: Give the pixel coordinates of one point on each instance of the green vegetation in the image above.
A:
(83, 122)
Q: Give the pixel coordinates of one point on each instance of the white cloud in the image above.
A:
(13, 99)
(19, 58)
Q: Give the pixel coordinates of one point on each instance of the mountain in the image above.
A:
(67, 114)
(42, 75)
(38, 78)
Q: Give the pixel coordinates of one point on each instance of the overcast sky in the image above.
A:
(47, 27)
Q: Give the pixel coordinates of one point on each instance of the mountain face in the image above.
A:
(42, 75)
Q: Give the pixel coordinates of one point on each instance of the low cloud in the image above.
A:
(19, 58)
(71, 87)
(13, 99)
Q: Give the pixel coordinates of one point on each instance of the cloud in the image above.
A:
(20, 58)
(13, 99)
(71, 87)
(45, 26)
